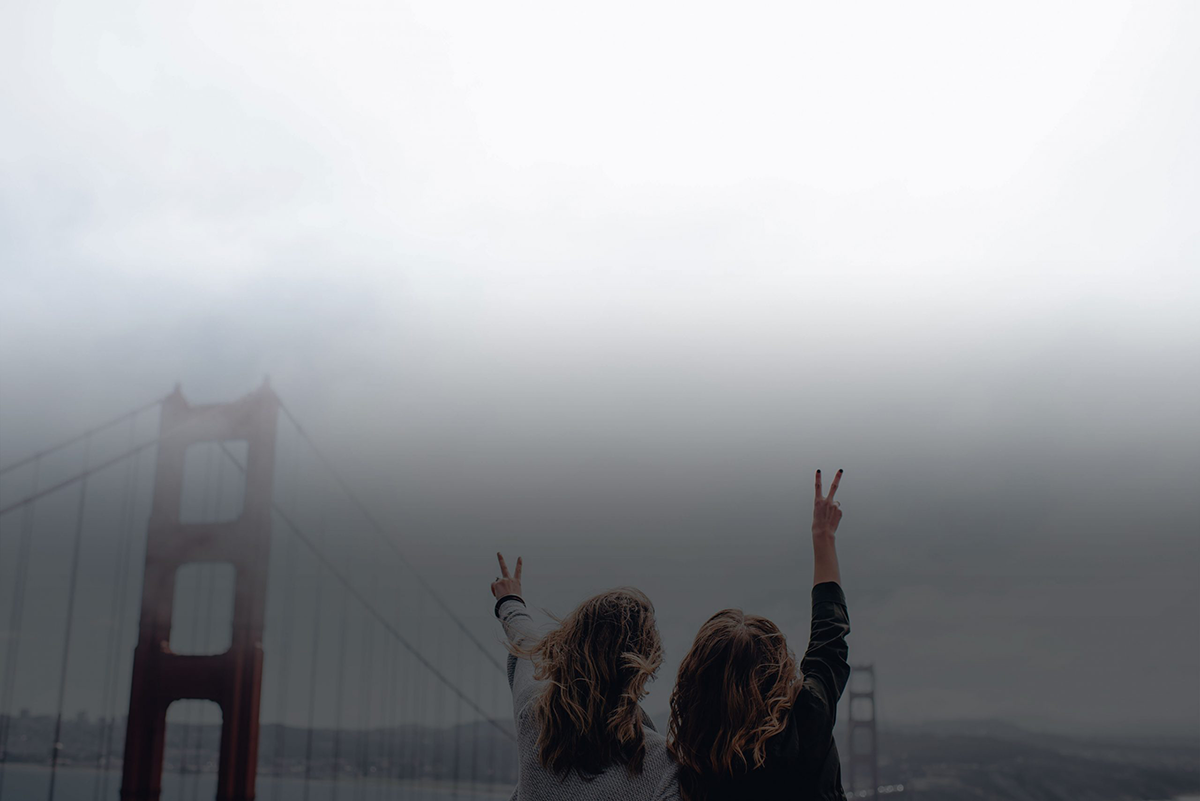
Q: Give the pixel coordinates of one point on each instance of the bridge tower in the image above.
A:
(233, 679)
(862, 740)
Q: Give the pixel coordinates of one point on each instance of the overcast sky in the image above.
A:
(602, 285)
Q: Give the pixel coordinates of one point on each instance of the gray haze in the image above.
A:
(602, 286)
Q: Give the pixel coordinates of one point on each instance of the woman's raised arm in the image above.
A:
(518, 627)
(827, 514)
(824, 666)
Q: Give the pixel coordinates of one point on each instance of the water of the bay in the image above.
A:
(32, 783)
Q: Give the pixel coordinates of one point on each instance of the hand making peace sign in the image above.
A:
(504, 583)
(827, 512)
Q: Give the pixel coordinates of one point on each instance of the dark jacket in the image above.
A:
(802, 760)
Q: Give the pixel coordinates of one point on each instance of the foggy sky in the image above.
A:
(602, 287)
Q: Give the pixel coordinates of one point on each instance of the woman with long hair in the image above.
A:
(581, 731)
(746, 721)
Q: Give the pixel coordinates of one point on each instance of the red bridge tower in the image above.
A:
(232, 679)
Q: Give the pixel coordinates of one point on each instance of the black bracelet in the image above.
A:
(504, 598)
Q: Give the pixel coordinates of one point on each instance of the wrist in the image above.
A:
(504, 599)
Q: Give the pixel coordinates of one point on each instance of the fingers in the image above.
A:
(818, 486)
(517, 575)
(503, 565)
(837, 479)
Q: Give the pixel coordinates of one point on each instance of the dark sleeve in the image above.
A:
(825, 668)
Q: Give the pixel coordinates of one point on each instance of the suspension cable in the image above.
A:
(81, 476)
(388, 538)
(83, 435)
(384, 621)
(358, 596)
(102, 465)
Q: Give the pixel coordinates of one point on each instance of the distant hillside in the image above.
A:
(995, 760)
(953, 761)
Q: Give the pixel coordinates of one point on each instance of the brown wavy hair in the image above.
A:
(596, 664)
(735, 689)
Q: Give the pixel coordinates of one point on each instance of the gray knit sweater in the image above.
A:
(534, 782)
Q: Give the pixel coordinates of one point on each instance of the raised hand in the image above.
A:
(504, 583)
(827, 512)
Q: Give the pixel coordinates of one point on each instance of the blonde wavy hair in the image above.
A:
(734, 691)
(596, 664)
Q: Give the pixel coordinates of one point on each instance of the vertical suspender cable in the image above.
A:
(286, 646)
(385, 719)
(366, 692)
(390, 732)
(443, 700)
(107, 687)
(15, 619)
(364, 711)
(284, 672)
(412, 734)
(122, 618)
(316, 649)
(458, 724)
(476, 730)
(66, 651)
(384, 740)
(198, 740)
(421, 697)
(397, 728)
(404, 732)
(490, 751)
(341, 678)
